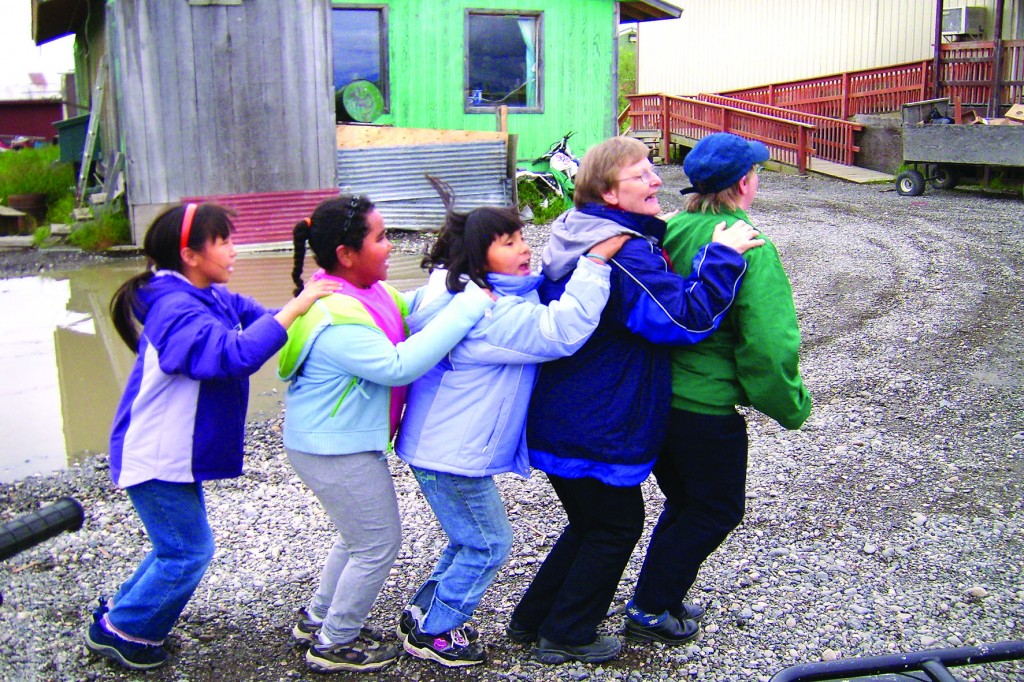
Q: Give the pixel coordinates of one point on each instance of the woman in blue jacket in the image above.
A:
(465, 418)
(597, 418)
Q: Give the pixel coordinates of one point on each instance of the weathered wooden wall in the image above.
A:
(427, 48)
(223, 99)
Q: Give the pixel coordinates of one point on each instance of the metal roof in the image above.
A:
(267, 217)
(394, 179)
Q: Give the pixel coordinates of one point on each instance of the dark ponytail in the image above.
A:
(300, 235)
(162, 246)
(461, 247)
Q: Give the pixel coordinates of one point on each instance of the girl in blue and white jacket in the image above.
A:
(465, 418)
(181, 420)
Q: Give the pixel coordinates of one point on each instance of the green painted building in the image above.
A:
(237, 100)
(448, 64)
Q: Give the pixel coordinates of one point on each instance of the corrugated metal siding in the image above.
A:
(267, 217)
(427, 48)
(720, 45)
(393, 178)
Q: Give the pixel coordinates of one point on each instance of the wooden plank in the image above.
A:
(354, 136)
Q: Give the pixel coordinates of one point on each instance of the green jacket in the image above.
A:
(752, 359)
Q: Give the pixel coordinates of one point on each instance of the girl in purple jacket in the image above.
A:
(182, 417)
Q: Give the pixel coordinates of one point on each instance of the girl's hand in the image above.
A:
(300, 304)
(609, 247)
(740, 236)
(313, 291)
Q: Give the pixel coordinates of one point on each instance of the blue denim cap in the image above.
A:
(719, 160)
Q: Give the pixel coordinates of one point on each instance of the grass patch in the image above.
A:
(36, 170)
(110, 226)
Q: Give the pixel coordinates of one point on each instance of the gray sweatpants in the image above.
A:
(358, 494)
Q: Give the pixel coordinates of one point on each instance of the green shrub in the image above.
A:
(36, 171)
(109, 227)
(542, 200)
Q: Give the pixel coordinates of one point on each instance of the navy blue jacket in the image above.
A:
(602, 412)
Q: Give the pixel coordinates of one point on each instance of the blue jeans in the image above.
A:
(149, 603)
(471, 512)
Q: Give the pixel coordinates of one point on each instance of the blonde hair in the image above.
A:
(600, 167)
(726, 200)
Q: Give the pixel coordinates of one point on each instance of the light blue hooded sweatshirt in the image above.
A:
(467, 415)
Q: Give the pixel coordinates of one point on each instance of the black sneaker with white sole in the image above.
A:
(359, 655)
(131, 655)
(408, 620)
(451, 649)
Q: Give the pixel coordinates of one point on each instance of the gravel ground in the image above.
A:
(890, 522)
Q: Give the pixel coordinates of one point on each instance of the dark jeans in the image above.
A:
(702, 470)
(576, 583)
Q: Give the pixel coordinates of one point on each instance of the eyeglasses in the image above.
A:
(758, 169)
(647, 177)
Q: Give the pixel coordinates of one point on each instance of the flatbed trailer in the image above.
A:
(942, 154)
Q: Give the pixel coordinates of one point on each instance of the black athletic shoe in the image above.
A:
(359, 655)
(520, 634)
(687, 611)
(451, 649)
(670, 631)
(130, 655)
(604, 648)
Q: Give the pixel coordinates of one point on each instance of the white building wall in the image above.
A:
(720, 45)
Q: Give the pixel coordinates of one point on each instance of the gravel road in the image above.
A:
(890, 522)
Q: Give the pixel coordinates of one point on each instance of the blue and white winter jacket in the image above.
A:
(182, 416)
(467, 415)
(601, 412)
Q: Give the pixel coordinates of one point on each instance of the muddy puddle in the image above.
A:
(64, 366)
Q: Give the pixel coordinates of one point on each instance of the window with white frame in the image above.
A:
(504, 62)
(359, 37)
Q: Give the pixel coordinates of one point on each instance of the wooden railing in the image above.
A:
(823, 105)
(788, 141)
(832, 140)
(873, 91)
(965, 72)
(967, 68)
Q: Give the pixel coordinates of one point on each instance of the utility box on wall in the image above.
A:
(961, 21)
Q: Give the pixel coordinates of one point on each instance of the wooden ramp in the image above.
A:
(861, 176)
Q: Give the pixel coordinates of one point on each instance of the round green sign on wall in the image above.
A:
(362, 101)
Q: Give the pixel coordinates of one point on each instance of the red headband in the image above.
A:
(186, 223)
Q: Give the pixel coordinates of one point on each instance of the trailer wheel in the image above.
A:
(944, 177)
(910, 183)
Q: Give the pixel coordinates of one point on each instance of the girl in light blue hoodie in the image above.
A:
(465, 418)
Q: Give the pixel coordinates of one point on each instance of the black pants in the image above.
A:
(702, 470)
(576, 583)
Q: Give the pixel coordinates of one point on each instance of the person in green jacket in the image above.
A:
(751, 360)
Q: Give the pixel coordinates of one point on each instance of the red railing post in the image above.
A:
(801, 152)
(844, 107)
(771, 94)
(666, 130)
